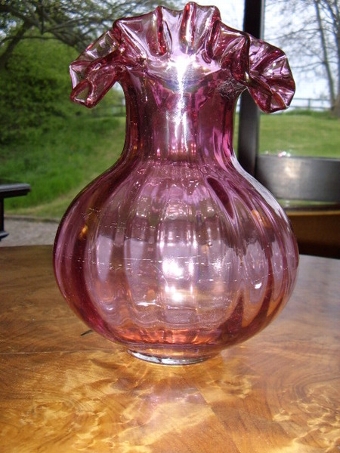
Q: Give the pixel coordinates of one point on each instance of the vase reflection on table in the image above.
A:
(175, 252)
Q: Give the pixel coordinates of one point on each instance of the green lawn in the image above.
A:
(309, 134)
(59, 162)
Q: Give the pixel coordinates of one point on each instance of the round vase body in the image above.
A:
(175, 252)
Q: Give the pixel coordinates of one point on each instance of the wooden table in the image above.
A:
(64, 392)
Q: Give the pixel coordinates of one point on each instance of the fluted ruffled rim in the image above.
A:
(166, 34)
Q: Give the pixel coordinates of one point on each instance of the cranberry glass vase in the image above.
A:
(175, 252)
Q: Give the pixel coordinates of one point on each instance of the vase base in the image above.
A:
(168, 360)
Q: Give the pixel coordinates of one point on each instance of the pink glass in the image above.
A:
(175, 252)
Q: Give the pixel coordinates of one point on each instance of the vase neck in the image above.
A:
(180, 122)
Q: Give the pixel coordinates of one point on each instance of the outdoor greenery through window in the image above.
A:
(58, 147)
(308, 31)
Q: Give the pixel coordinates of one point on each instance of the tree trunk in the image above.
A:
(336, 107)
(12, 44)
(325, 53)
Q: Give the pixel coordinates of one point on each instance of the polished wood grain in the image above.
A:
(61, 391)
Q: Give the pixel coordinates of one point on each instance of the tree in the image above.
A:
(38, 40)
(73, 22)
(311, 36)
